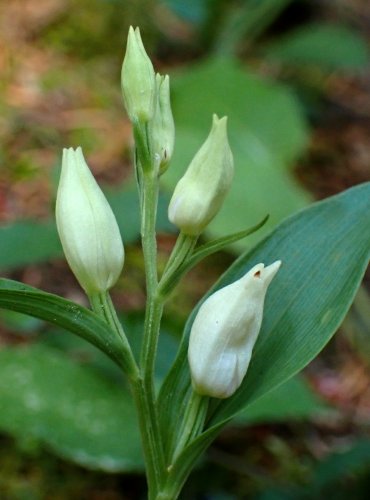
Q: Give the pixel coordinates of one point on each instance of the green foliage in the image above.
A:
(294, 399)
(330, 47)
(41, 386)
(337, 476)
(40, 240)
(325, 250)
(69, 407)
(206, 250)
(73, 317)
(267, 133)
(191, 10)
(32, 404)
(351, 460)
(357, 325)
(85, 413)
(245, 21)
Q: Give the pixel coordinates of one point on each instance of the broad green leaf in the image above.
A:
(332, 47)
(56, 310)
(292, 400)
(325, 250)
(68, 407)
(357, 325)
(267, 132)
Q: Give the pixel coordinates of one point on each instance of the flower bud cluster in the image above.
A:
(227, 324)
(147, 100)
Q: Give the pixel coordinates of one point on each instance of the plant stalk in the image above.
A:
(102, 305)
(153, 315)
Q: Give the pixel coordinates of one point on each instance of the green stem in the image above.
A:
(181, 466)
(102, 305)
(153, 456)
(153, 313)
(154, 308)
(144, 392)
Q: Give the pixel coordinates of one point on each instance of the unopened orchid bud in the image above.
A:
(224, 333)
(87, 227)
(138, 80)
(200, 193)
(163, 126)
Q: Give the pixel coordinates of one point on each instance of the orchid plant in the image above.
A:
(236, 346)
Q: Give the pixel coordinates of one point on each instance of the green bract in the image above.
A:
(163, 126)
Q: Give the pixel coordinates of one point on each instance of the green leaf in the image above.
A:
(78, 414)
(216, 245)
(292, 400)
(56, 310)
(356, 326)
(325, 250)
(329, 46)
(267, 132)
(182, 467)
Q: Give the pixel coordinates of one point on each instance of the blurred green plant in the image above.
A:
(265, 147)
(31, 407)
(328, 47)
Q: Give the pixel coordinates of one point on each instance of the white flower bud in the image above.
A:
(163, 126)
(87, 226)
(224, 333)
(138, 79)
(200, 193)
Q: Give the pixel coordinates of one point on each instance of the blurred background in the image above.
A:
(293, 76)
